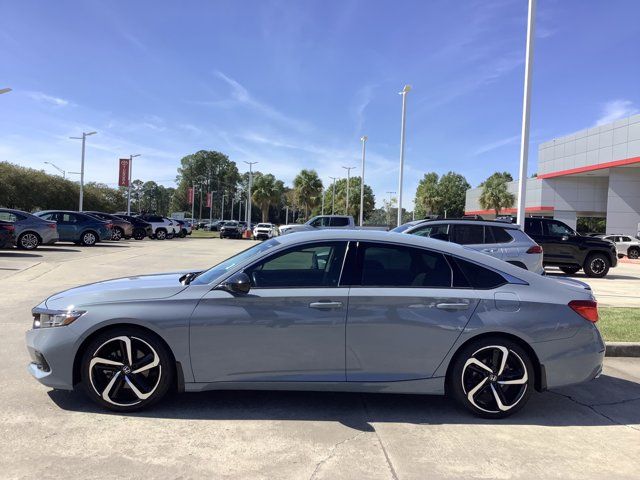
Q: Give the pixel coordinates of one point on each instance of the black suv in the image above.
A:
(141, 229)
(566, 249)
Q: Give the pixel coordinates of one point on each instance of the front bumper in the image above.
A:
(52, 352)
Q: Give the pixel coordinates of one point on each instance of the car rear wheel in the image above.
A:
(28, 241)
(88, 239)
(570, 270)
(597, 265)
(117, 234)
(491, 377)
(633, 252)
(161, 234)
(126, 369)
(139, 234)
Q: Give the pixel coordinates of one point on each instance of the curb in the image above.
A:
(623, 349)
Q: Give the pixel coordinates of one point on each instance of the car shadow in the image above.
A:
(584, 277)
(57, 249)
(17, 254)
(361, 411)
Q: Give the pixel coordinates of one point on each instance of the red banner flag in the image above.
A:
(190, 196)
(123, 173)
(209, 199)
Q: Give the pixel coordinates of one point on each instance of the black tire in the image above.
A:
(466, 376)
(28, 241)
(117, 234)
(633, 252)
(570, 270)
(161, 234)
(597, 265)
(139, 234)
(113, 386)
(183, 233)
(89, 238)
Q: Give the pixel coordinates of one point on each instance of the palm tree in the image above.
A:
(266, 191)
(495, 194)
(308, 188)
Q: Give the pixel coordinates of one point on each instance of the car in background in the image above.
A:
(121, 228)
(264, 231)
(501, 240)
(141, 229)
(162, 228)
(7, 234)
(185, 227)
(625, 245)
(78, 227)
(175, 227)
(570, 251)
(30, 231)
(231, 229)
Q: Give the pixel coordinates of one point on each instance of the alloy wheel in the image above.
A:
(116, 234)
(125, 370)
(28, 241)
(598, 265)
(494, 379)
(633, 253)
(89, 238)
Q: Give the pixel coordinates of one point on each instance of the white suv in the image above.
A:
(625, 245)
(163, 227)
(264, 231)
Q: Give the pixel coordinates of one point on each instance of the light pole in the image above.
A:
(526, 114)
(348, 169)
(84, 141)
(363, 139)
(222, 207)
(322, 208)
(389, 212)
(251, 164)
(64, 174)
(333, 195)
(405, 90)
(4, 90)
(131, 157)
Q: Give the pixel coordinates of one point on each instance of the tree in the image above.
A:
(266, 191)
(354, 199)
(308, 189)
(441, 195)
(495, 193)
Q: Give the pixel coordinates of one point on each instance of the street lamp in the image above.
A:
(4, 90)
(251, 164)
(131, 157)
(348, 169)
(333, 195)
(84, 141)
(64, 174)
(363, 139)
(405, 90)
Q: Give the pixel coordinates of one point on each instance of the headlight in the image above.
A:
(43, 318)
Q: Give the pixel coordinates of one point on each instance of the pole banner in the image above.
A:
(209, 199)
(190, 196)
(123, 173)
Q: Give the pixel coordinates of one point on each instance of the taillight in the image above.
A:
(11, 228)
(535, 249)
(52, 225)
(109, 226)
(587, 309)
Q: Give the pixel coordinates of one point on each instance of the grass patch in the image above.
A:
(204, 234)
(619, 324)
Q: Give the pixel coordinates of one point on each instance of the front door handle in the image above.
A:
(322, 305)
(452, 306)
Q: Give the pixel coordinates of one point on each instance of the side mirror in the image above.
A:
(237, 284)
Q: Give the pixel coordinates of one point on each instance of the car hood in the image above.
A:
(143, 287)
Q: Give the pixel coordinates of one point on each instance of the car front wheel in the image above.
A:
(491, 377)
(116, 234)
(597, 265)
(161, 234)
(126, 369)
(139, 234)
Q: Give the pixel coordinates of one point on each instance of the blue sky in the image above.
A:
(294, 84)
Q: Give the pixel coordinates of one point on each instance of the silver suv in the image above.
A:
(498, 239)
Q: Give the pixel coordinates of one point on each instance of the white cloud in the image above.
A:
(44, 98)
(497, 144)
(615, 110)
(362, 101)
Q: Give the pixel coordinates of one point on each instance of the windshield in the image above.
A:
(220, 269)
(264, 225)
(230, 224)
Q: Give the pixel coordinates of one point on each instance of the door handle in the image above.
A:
(322, 305)
(452, 306)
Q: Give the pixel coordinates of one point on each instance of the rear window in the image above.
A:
(497, 235)
(339, 221)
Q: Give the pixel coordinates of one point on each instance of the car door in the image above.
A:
(289, 327)
(560, 243)
(404, 315)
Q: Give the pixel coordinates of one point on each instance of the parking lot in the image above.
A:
(587, 431)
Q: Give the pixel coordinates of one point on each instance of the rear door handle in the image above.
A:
(322, 305)
(452, 306)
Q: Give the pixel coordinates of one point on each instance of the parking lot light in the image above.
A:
(348, 169)
(64, 174)
(405, 90)
(363, 139)
(84, 141)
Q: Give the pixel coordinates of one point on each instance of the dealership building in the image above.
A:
(592, 173)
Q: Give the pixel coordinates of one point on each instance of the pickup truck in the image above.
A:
(324, 222)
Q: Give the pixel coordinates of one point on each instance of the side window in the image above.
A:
(320, 222)
(557, 229)
(399, 266)
(310, 265)
(440, 232)
(339, 221)
(9, 217)
(500, 235)
(532, 226)
(67, 218)
(478, 277)
(626, 239)
(49, 216)
(467, 234)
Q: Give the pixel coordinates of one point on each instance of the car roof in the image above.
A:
(463, 221)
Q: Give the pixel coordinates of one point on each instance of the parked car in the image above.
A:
(570, 251)
(184, 226)
(122, 228)
(319, 222)
(175, 227)
(141, 229)
(162, 227)
(625, 245)
(264, 231)
(30, 231)
(78, 227)
(7, 234)
(423, 316)
(231, 229)
(214, 226)
(498, 239)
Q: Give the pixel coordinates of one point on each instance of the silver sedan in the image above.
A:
(332, 310)
(31, 231)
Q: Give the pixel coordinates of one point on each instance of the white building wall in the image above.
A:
(623, 202)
